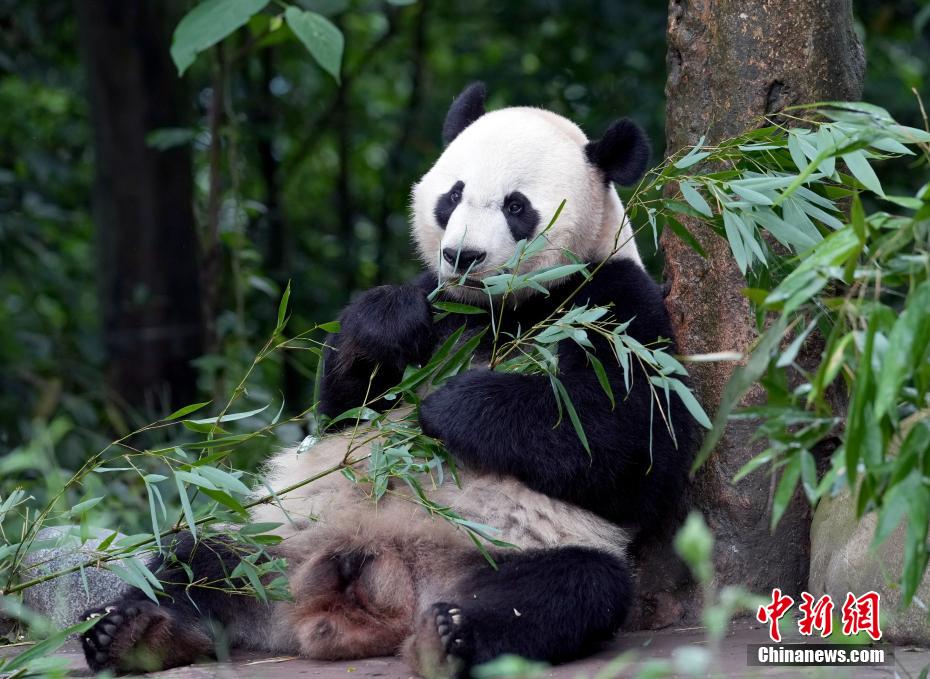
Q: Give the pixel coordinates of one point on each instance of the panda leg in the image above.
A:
(552, 605)
(189, 622)
(354, 601)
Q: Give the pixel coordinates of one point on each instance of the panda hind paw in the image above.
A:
(450, 627)
(441, 646)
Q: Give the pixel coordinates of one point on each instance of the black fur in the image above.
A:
(466, 108)
(382, 331)
(523, 220)
(552, 605)
(622, 154)
(504, 422)
(447, 203)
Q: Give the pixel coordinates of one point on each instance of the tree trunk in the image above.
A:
(729, 63)
(143, 205)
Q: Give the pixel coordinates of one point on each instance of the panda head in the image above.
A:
(502, 178)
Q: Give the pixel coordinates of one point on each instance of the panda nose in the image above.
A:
(465, 258)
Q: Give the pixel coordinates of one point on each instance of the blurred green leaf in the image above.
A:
(321, 38)
(206, 24)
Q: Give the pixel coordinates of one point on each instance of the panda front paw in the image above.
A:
(391, 324)
(457, 414)
(438, 412)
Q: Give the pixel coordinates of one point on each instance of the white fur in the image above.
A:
(333, 507)
(540, 154)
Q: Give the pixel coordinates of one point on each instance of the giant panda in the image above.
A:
(377, 579)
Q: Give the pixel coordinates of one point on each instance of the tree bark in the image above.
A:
(729, 63)
(143, 206)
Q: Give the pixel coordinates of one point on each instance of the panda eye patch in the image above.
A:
(447, 203)
(522, 218)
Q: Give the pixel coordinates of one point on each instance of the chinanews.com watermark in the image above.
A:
(858, 616)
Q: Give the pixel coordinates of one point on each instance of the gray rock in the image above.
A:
(842, 560)
(64, 598)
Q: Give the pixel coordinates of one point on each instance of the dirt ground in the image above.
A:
(909, 661)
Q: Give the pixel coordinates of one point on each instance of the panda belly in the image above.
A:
(361, 571)
(334, 505)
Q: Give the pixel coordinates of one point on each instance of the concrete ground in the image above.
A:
(647, 646)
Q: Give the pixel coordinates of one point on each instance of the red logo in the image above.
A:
(774, 612)
(859, 614)
(817, 616)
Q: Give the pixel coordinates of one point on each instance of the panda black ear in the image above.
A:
(466, 109)
(622, 154)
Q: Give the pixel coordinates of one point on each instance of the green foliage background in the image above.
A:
(366, 139)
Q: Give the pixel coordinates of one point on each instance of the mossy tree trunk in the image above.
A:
(730, 64)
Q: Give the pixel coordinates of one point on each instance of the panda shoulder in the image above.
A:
(632, 293)
(624, 279)
(425, 281)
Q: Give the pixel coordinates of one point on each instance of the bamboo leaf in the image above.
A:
(695, 199)
(915, 547)
(282, 309)
(753, 464)
(457, 308)
(572, 414)
(809, 475)
(82, 507)
(45, 648)
(186, 506)
(861, 170)
(794, 148)
(602, 378)
(907, 341)
(690, 402)
(789, 481)
(894, 507)
(186, 410)
(735, 239)
(751, 195)
(223, 479)
(679, 230)
(230, 417)
(694, 156)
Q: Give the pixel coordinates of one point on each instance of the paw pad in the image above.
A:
(449, 620)
(97, 641)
